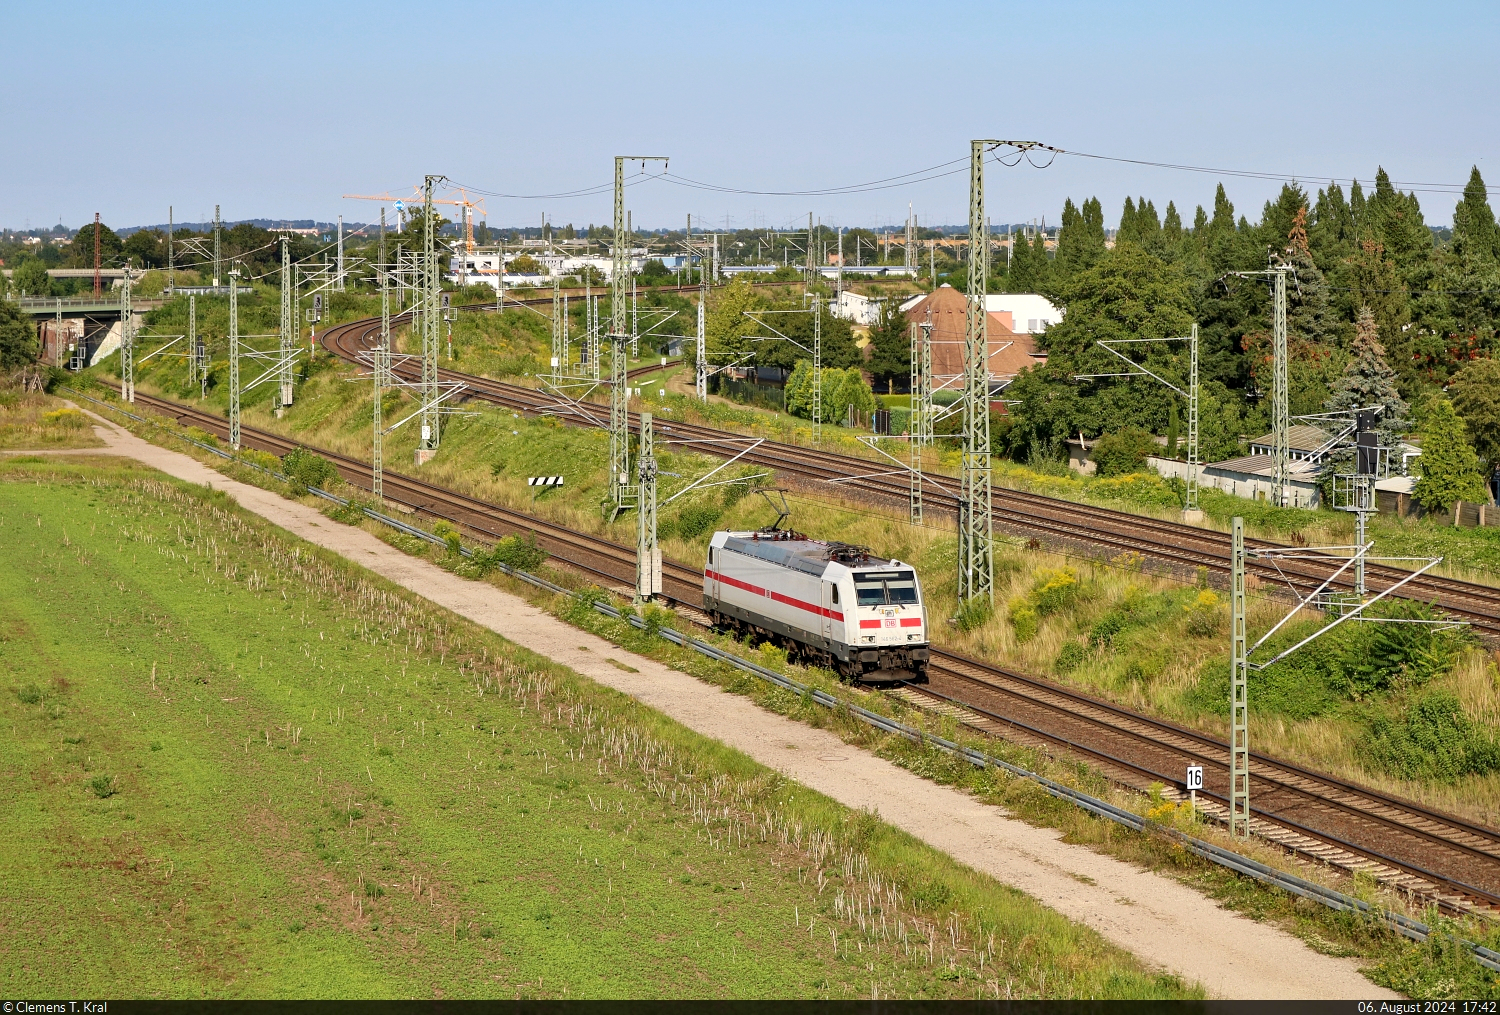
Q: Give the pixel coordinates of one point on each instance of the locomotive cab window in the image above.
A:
(886, 588)
(835, 595)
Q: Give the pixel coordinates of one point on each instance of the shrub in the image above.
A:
(304, 469)
(448, 533)
(1372, 657)
(1434, 740)
(1053, 590)
(1124, 453)
(1106, 627)
(514, 552)
(694, 520)
(1203, 615)
(103, 786)
(975, 613)
(1071, 657)
(65, 419)
(1023, 618)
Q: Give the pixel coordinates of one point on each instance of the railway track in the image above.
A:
(1181, 547)
(1431, 854)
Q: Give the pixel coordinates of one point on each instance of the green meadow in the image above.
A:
(239, 767)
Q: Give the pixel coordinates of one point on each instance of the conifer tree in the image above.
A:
(1331, 235)
(1171, 226)
(1223, 239)
(1396, 223)
(1080, 245)
(1368, 381)
(1450, 468)
(1474, 233)
(1129, 229)
(1308, 317)
(1475, 391)
(1040, 266)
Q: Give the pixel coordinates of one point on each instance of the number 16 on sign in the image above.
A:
(1194, 784)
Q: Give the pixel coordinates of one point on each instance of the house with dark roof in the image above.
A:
(1010, 352)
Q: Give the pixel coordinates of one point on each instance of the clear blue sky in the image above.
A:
(276, 109)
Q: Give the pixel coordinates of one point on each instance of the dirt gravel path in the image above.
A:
(1168, 925)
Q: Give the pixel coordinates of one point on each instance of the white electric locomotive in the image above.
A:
(828, 604)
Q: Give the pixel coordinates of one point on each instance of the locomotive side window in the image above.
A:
(835, 595)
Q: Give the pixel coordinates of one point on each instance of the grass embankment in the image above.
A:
(33, 420)
(200, 705)
(1106, 626)
(1436, 969)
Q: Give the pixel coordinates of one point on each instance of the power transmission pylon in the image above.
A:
(218, 255)
(339, 279)
(430, 340)
(976, 562)
(635, 319)
(647, 549)
(1190, 507)
(234, 360)
(127, 340)
(171, 254)
(289, 330)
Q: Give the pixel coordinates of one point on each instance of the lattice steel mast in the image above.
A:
(1239, 705)
(1280, 412)
(127, 340)
(234, 360)
(218, 260)
(290, 331)
(976, 562)
(647, 549)
(429, 322)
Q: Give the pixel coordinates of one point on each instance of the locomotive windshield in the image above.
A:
(886, 588)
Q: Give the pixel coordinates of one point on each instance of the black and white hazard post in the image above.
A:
(542, 481)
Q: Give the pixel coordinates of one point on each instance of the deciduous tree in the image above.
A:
(1450, 467)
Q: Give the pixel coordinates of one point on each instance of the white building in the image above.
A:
(1029, 313)
(1022, 313)
(479, 266)
(857, 309)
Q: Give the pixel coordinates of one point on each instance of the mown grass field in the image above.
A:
(241, 768)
